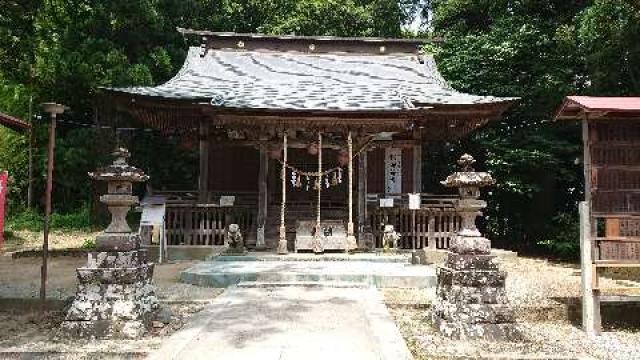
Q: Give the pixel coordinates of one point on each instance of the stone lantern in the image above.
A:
(120, 177)
(471, 301)
(115, 296)
(468, 239)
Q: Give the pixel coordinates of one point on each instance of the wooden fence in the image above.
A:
(428, 227)
(204, 224)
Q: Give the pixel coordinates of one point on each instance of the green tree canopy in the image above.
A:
(538, 50)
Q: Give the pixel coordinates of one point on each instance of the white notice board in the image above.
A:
(153, 214)
(227, 201)
(414, 201)
(386, 203)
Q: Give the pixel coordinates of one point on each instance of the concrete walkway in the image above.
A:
(284, 323)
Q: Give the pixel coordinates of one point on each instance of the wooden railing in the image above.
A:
(431, 226)
(204, 224)
(191, 223)
(402, 200)
(211, 197)
(424, 228)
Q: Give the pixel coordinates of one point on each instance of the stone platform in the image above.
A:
(226, 272)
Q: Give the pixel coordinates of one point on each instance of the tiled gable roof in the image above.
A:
(307, 81)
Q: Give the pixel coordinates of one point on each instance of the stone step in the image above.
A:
(306, 284)
(384, 275)
(367, 257)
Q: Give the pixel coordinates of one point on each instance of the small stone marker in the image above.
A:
(115, 297)
(390, 238)
(471, 301)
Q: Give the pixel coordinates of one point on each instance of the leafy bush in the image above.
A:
(88, 244)
(77, 220)
(564, 241)
(31, 220)
(9, 235)
(26, 219)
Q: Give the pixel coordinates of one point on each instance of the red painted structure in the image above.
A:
(14, 123)
(575, 107)
(17, 125)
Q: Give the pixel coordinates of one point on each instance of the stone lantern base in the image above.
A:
(115, 297)
(471, 299)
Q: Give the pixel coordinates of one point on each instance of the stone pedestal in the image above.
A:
(115, 297)
(471, 301)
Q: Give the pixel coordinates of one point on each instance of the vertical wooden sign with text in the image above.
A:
(4, 176)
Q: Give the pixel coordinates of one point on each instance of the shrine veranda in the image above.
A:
(297, 135)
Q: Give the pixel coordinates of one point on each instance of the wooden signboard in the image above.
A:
(393, 171)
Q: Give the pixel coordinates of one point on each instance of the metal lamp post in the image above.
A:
(53, 110)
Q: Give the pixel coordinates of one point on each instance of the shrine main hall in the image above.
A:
(299, 136)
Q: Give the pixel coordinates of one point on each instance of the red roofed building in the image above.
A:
(577, 107)
(13, 123)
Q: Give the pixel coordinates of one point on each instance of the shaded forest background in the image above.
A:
(539, 50)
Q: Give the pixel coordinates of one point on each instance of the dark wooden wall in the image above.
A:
(233, 169)
(615, 164)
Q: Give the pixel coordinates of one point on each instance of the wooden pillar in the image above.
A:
(47, 211)
(262, 197)
(591, 320)
(319, 179)
(417, 168)
(351, 240)
(317, 242)
(282, 242)
(362, 190)
(53, 110)
(203, 178)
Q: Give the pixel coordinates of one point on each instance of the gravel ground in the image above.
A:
(33, 332)
(538, 289)
(20, 278)
(25, 330)
(30, 240)
(533, 286)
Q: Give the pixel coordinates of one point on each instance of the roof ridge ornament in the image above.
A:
(217, 100)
